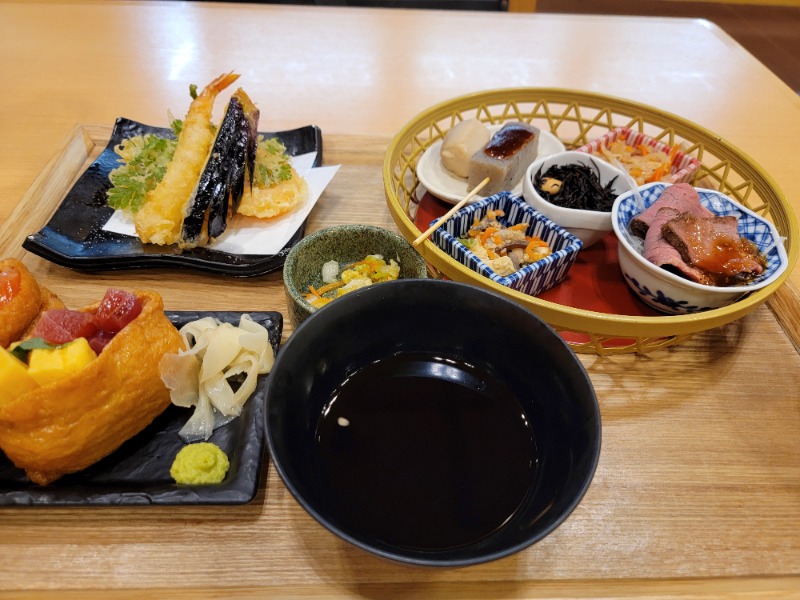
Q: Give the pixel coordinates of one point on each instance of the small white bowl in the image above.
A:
(672, 294)
(589, 226)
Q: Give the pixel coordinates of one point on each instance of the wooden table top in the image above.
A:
(697, 494)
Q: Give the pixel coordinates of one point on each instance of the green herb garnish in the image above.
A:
(272, 164)
(142, 172)
(177, 127)
(24, 348)
(145, 159)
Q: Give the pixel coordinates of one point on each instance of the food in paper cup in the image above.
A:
(646, 159)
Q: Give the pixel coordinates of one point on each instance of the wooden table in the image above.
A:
(697, 494)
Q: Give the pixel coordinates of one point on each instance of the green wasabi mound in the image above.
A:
(200, 464)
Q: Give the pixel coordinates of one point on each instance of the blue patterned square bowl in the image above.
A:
(672, 294)
(532, 279)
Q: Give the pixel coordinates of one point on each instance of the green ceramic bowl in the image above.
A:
(345, 244)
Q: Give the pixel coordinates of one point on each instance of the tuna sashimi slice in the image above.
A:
(62, 325)
(117, 309)
(99, 340)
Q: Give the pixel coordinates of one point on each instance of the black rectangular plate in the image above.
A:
(74, 236)
(138, 472)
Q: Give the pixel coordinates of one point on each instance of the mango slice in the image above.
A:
(47, 365)
(14, 377)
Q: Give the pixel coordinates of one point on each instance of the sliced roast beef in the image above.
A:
(714, 246)
(680, 196)
(663, 254)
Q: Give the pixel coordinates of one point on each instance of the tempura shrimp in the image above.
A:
(161, 216)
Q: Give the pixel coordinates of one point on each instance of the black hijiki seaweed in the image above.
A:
(580, 187)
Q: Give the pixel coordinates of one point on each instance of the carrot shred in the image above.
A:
(487, 232)
(533, 245)
(657, 175)
(327, 287)
(673, 151)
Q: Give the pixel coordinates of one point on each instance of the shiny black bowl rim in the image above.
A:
(420, 558)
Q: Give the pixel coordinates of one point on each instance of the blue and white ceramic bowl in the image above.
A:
(532, 279)
(670, 293)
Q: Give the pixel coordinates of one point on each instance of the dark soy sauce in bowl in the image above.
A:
(425, 453)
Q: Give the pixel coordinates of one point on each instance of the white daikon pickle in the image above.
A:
(330, 271)
(218, 356)
(181, 374)
(223, 347)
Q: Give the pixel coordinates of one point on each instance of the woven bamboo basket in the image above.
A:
(576, 118)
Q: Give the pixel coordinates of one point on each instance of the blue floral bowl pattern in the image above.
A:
(532, 279)
(672, 294)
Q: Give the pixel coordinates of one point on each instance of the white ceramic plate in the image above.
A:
(443, 184)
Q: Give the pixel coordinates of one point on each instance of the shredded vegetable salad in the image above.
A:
(340, 280)
(644, 163)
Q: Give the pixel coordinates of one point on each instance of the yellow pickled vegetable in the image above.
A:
(47, 365)
(14, 377)
(373, 269)
(200, 464)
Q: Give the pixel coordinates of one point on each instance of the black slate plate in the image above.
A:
(138, 472)
(74, 236)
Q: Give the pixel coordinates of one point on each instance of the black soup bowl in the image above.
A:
(432, 422)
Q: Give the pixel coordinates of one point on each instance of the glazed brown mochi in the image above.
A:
(504, 158)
